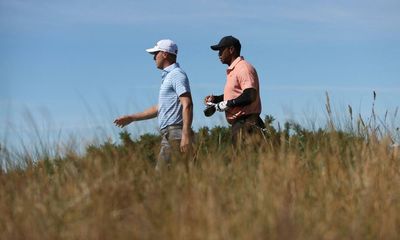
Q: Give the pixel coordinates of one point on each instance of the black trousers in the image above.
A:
(247, 128)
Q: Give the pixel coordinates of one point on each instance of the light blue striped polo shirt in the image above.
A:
(174, 84)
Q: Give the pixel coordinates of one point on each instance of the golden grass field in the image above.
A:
(325, 184)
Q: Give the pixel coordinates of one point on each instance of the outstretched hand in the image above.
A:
(123, 121)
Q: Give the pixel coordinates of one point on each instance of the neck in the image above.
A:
(233, 58)
(167, 64)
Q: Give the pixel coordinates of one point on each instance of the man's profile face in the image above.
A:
(159, 59)
(225, 55)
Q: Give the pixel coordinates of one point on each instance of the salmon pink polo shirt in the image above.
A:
(241, 75)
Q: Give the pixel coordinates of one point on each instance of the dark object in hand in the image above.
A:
(209, 111)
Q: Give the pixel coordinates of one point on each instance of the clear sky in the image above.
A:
(74, 66)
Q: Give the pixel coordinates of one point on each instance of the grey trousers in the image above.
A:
(170, 142)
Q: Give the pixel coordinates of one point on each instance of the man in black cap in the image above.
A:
(241, 99)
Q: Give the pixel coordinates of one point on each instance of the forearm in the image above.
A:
(187, 115)
(217, 99)
(187, 112)
(146, 114)
(127, 119)
(248, 96)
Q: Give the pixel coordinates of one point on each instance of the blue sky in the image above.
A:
(73, 66)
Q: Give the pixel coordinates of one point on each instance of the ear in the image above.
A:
(231, 49)
(164, 55)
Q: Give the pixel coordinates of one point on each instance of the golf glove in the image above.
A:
(221, 106)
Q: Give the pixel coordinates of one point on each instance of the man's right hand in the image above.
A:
(123, 121)
(208, 99)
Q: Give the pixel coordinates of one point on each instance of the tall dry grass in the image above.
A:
(333, 188)
(325, 184)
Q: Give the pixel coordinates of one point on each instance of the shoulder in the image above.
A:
(177, 74)
(245, 65)
(245, 69)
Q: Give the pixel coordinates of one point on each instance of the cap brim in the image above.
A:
(152, 50)
(216, 47)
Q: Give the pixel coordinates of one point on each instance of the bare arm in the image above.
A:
(146, 114)
(187, 114)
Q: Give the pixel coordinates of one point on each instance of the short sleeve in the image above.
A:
(180, 82)
(247, 77)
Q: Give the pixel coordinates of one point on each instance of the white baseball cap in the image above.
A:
(165, 45)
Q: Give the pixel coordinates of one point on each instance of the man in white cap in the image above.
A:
(175, 107)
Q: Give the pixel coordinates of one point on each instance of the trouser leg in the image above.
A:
(170, 153)
(164, 157)
(247, 131)
(241, 132)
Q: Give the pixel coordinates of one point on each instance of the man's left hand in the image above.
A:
(185, 143)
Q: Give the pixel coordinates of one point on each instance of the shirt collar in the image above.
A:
(168, 69)
(234, 63)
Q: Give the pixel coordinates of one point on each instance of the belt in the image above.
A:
(252, 119)
(247, 118)
(170, 127)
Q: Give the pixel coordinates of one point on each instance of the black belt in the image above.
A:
(250, 118)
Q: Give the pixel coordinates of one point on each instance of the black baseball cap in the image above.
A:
(227, 41)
